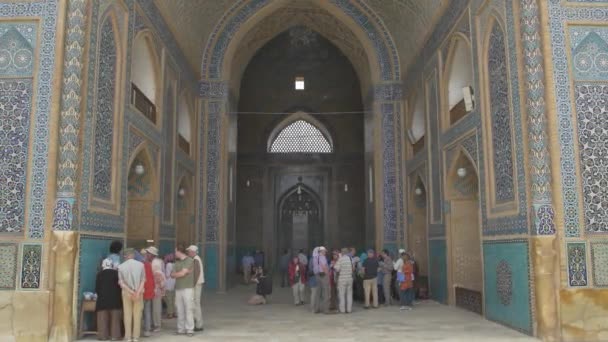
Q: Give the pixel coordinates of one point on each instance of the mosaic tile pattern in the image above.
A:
(599, 260)
(512, 305)
(390, 178)
(168, 156)
(563, 90)
(504, 282)
(15, 112)
(592, 113)
(17, 51)
(139, 185)
(536, 118)
(31, 264)
(213, 156)
(501, 116)
(104, 114)
(469, 300)
(8, 260)
(242, 10)
(589, 53)
(46, 10)
(436, 188)
(577, 264)
(71, 99)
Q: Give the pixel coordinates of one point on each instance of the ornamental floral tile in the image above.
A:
(8, 260)
(577, 264)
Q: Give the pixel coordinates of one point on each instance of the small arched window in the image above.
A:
(300, 136)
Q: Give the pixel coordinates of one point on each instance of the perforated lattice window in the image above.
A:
(300, 137)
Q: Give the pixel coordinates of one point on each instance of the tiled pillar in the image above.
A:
(387, 104)
(543, 217)
(212, 200)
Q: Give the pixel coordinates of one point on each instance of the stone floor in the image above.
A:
(229, 318)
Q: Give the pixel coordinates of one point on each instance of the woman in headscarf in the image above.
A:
(109, 302)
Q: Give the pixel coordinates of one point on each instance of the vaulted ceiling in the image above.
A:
(409, 22)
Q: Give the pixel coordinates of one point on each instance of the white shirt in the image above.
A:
(169, 282)
(303, 259)
(201, 276)
(398, 265)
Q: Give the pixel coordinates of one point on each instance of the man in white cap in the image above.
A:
(398, 264)
(199, 280)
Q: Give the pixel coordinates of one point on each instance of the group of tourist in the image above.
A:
(335, 278)
(135, 286)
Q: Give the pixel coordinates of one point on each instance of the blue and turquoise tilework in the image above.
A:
(507, 284)
(438, 270)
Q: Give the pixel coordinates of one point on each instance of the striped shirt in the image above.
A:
(345, 267)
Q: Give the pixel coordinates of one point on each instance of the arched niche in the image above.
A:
(185, 233)
(497, 118)
(108, 108)
(418, 230)
(145, 75)
(458, 74)
(300, 219)
(463, 221)
(416, 123)
(185, 122)
(142, 198)
(314, 136)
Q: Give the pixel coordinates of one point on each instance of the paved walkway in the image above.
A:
(228, 318)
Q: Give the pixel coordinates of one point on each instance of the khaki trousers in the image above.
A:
(184, 301)
(108, 324)
(370, 287)
(298, 292)
(345, 296)
(247, 274)
(386, 288)
(170, 301)
(198, 310)
(132, 309)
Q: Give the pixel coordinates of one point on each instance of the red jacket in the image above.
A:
(149, 285)
(292, 273)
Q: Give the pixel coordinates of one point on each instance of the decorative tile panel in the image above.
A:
(599, 260)
(469, 300)
(168, 155)
(589, 53)
(563, 68)
(31, 264)
(500, 115)
(8, 260)
(592, 114)
(577, 264)
(104, 114)
(435, 185)
(15, 112)
(71, 99)
(534, 73)
(504, 282)
(44, 26)
(17, 42)
(390, 178)
(507, 283)
(438, 270)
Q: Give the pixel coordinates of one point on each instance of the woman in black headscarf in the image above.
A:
(109, 302)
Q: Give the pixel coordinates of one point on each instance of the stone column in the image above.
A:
(64, 249)
(534, 44)
(212, 178)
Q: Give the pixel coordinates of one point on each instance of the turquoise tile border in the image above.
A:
(438, 271)
(211, 266)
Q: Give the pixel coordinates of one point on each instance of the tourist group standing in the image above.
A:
(132, 292)
(336, 278)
